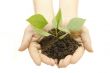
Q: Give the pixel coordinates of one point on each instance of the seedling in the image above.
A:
(57, 42)
(38, 22)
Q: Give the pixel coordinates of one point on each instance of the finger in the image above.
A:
(76, 38)
(26, 38)
(86, 39)
(34, 53)
(56, 61)
(47, 60)
(35, 38)
(77, 55)
(52, 61)
(60, 63)
(65, 62)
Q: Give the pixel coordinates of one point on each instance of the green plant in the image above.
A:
(57, 21)
(38, 22)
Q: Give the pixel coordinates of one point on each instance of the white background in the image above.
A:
(13, 15)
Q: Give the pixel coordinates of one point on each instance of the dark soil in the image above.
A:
(56, 48)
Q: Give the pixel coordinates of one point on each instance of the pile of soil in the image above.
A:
(56, 48)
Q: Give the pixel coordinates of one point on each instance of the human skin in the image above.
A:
(45, 8)
(69, 11)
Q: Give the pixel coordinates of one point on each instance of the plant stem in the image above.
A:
(56, 32)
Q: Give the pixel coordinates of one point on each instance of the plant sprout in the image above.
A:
(38, 22)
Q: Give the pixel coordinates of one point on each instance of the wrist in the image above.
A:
(69, 9)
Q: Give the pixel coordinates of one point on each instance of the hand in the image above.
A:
(29, 41)
(69, 11)
(83, 39)
(30, 37)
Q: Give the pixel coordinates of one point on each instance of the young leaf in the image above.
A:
(61, 37)
(75, 24)
(37, 21)
(54, 22)
(64, 29)
(41, 32)
(57, 19)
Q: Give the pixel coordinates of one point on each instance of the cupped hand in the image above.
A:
(30, 41)
(69, 10)
(85, 41)
(30, 38)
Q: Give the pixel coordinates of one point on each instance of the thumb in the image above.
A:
(86, 39)
(26, 38)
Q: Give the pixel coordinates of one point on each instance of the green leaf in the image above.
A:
(64, 29)
(75, 24)
(57, 19)
(54, 22)
(41, 32)
(37, 21)
(61, 37)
